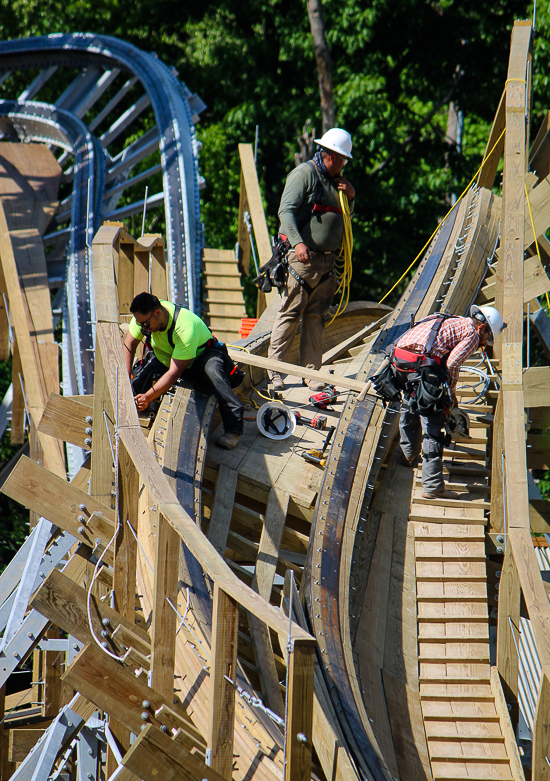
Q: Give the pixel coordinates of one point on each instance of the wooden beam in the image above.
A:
(262, 582)
(299, 738)
(51, 496)
(222, 509)
(296, 371)
(221, 704)
(64, 603)
(155, 755)
(65, 419)
(124, 570)
(541, 732)
(163, 627)
(509, 598)
(116, 690)
(512, 751)
(342, 348)
(103, 437)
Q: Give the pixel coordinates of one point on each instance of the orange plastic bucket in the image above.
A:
(247, 324)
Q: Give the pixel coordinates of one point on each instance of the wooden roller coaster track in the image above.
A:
(249, 614)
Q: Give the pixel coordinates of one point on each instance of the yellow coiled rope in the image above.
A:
(343, 261)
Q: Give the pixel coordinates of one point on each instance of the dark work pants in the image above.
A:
(209, 372)
(426, 433)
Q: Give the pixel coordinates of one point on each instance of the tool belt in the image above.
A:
(275, 272)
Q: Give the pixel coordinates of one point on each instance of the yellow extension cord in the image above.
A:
(343, 261)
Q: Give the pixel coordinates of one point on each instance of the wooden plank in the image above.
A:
(255, 205)
(264, 575)
(21, 741)
(224, 498)
(221, 709)
(65, 418)
(541, 732)
(154, 755)
(300, 711)
(296, 371)
(124, 569)
(59, 501)
(340, 349)
(116, 690)
(102, 477)
(536, 386)
(163, 634)
(508, 626)
(512, 750)
(64, 603)
(407, 726)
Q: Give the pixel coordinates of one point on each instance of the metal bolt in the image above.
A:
(105, 633)
(30, 635)
(498, 573)
(82, 507)
(88, 430)
(144, 716)
(499, 550)
(88, 418)
(81, 529)
(81, 519)
(301, 738)
(76, 647)
(87, 441)
(145, 704)
(164, 728)
(500, 538)
(105, 621)
(97, 540)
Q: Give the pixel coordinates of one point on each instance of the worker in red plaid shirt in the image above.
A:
(456, 339)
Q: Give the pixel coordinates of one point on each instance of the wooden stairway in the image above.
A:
(461, 697)
(223, 294)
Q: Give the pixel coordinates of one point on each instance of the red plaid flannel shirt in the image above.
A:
(456, 339)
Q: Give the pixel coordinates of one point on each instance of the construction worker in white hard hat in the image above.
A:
(426, 361)
(312, 222)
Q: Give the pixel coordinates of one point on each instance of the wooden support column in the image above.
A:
(497, 489)
(124, 574)
(159, 283)
(509, 597)
(141, 271)
(125, 277)
(266, 565)
(299, 728)
(101, 483)
(541, 733)
(18, 403)
(163, 628)
(221, 711)
(251, 201)
(52, 678)
(124, 569)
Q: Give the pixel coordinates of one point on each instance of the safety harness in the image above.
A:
(422, 376)
(274, 273)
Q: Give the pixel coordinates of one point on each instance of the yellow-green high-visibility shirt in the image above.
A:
(190, 336)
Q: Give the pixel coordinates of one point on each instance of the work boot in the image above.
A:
(443, 494)
(277, 381)
(228, 440)
(315, 385)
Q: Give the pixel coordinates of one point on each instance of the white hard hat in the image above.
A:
(275, 420)
(337, 140)
(490, 316)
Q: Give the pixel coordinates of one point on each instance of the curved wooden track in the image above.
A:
(394, 665)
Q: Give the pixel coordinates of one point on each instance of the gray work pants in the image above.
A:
(297, 305)
(426, 433)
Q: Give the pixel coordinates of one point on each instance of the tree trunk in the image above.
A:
(324, 64)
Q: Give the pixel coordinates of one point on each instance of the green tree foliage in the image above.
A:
(395, 67)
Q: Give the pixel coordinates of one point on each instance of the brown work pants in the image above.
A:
(297, 305)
